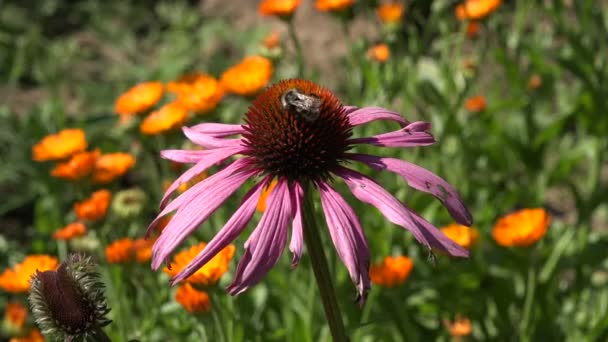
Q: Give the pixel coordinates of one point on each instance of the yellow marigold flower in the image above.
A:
(461, 327)
(197, 92)
(70, 231)
(60, 146)
(465, 236)
(521, 228)
(139, 98)
(392, 271)
(206, 275)
(111, 166)
(390, 13)
(279, 8)
(248, 77)
(535, 82)
(193, 300)
(476, 9)
(120, 251)
(261, 206)
(143, 250)
(169, 117)
(473, 28)
(33, 336)
(15, 314)
(333, 5)
(80, 165)
(475, 104)
(94, 207)
(17, 279)
(379, 53)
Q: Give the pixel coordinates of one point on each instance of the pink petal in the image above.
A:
(185, 156)
(368, 191)
(218, 130)
(267, 242)
(364, 115)
(413, 134)
(422, 179)
(209, 141)
(295, 246)
(226, 235)
(348, 238)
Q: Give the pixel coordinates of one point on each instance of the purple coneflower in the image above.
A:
(298, 133)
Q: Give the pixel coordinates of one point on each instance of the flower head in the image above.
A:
(70, 231)
(379, 53)
(475, 104)
(129, 203)
(279, 8)
(473, 28)
(60, 146)
(169, 117)
(94, 207)
(461, 234)
(272, 40)
(193, 300)
(392, 271)
(143, 250)
(206, 275)
(79, 166)
(15, 316)
(248, 77)
(197, 92)
(300, 134)
(460, 327)
(17, 279)
(521, 228)
(33, 336)
(535, 82)
(390, 13)
(139, 98)
(111, 166)
(333, 5)
(120, 251)
(476, 9)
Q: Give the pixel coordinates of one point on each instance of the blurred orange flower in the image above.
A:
(80, 165)
(139, 98)
(473, 28)
(60, 146)
(17, 279)
(120, 251)
(70, 231)
(272, 40)
(392, 271)
(94, 207)
(391, 12)
(193, 300)
(143, 250)
(15, 314)
(465, 236)
(248, 77)
(33, 336)
(197, 92)
(206, 275)
(461, 327)
(476, 9)
(261, 206)
(112, 165)
(379, 53)
(280, 8)
(167, 118)
(535, 82)
(192, 182)
(333, 5)
(475, 104)
(521, 228)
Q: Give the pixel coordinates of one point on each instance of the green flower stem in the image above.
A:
(298, 47)
(321, 270)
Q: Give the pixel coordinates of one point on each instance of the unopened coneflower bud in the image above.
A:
(69, 304)
(128, 203)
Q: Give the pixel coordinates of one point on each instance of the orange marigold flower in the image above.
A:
(120, 251)
(94, 207)
(280, 8)
(476, 9)
(15, 314)
(461, 327)
(169, 117)
(143, 250)
(60, 146)
(392, 271)
(261, 206)
(139, 98)
(17, 279)
(333, 5)
(193, 300)
(522, 228)
(475, 104)
(210, 273)
(248, 77)
(70, 231)
(465, 236)
(535, 82)
(379, 52)
(473, 28)
(80, 165)
(272, 40)
(197, 92)
(33, 336)
(111, 166)
(195, 180)
(390, 12)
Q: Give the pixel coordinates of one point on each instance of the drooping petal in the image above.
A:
(267, 242)
(295, 246)
(414, 134)
(422, 179)
(348, 238)
(226, 235)
(360, 116)
(368, 191)
(210, 157)
(209, 141)
(218, 130)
